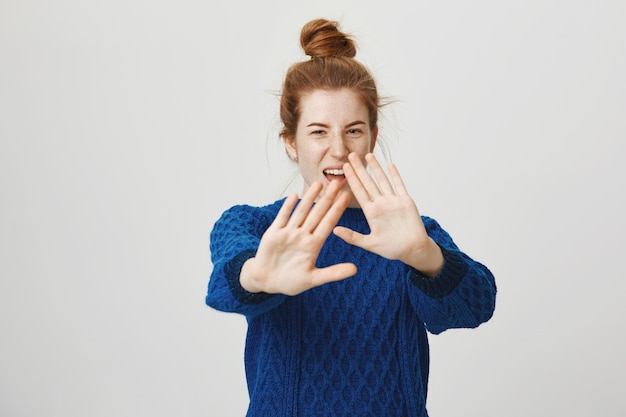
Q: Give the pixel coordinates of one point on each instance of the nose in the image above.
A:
(337, 146)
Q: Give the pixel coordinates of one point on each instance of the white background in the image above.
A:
(128, 126)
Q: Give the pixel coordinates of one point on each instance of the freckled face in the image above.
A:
(333, 123)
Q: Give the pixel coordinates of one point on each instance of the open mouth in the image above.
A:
(334, 174)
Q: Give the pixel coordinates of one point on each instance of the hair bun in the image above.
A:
(321, 38)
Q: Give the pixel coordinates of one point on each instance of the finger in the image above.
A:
(379, 174)
(285, 211)
(331, 217)
(366, 179)
(397, 180)
(320, 208)
(350, 236)
(357, 188)
(305, 204)
(332, 273)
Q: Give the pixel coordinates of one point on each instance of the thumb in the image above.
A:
(349, 236)
(333, 273)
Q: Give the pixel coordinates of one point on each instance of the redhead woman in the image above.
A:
(341, 285)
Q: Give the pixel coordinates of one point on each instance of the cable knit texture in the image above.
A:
(357, 347)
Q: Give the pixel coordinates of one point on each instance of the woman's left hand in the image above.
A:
(396, 228)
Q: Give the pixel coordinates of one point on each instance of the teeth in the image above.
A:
(333, 171)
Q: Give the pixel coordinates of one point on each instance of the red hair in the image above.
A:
(332, 66)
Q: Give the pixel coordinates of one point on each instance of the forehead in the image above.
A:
(343, 105)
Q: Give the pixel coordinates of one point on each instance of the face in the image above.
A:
(333, 123)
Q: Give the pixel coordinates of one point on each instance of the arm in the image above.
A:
(451, 289)
(258, 262)
(235, 239)
(462, 295)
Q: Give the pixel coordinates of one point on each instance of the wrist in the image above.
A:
(427, 260)
(247, 277)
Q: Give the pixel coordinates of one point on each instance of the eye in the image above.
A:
(354, 132)
(318, 132)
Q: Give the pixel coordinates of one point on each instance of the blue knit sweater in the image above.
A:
(356, 347)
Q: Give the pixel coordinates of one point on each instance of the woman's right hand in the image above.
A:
(285, 260)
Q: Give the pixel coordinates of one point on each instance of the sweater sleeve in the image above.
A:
(234, 239)
(462, 295)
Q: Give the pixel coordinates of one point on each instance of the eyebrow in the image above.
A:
(356, 122)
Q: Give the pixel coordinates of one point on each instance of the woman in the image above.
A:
(339, 287)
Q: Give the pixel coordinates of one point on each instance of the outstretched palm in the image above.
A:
(285, 260)
(396, 227)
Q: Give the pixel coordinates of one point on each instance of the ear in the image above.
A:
(374, 137)
(290, 147)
